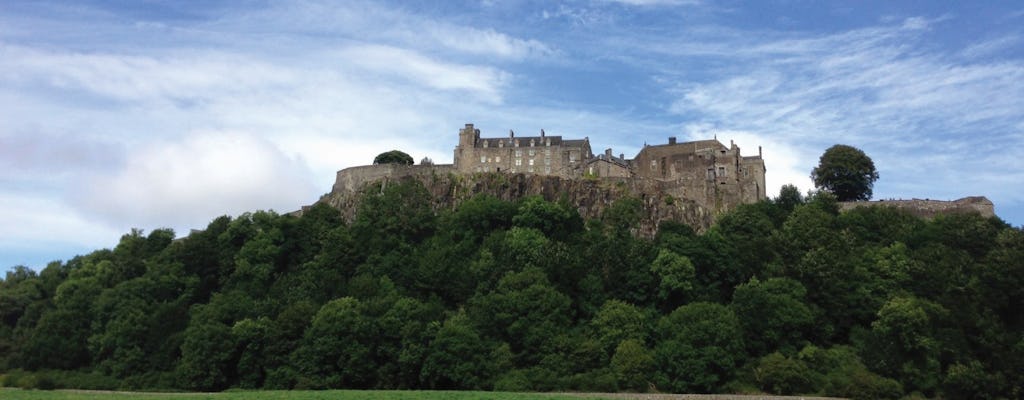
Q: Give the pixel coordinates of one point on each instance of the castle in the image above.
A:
(707, 172)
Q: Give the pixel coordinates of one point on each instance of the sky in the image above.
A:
(158, 114)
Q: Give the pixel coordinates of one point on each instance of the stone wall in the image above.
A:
(354, 178)
(926, 208)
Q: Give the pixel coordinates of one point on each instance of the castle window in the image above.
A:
(485, 144)
(547, 170)
(711, 174)
(533, 153)
(721, 171)
(548, 143)
(497, 159)
(501, 143)
(547, 152)
(572, 156)
(531, 143)
(530, 169)
(483, 159)
(519, 153)
(531, 162)
(654, 164)
(517, 143)
(519, 162)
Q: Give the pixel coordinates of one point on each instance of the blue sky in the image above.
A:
(146, 114)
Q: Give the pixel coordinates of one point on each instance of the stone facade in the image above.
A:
(546, 155)
(706, 171)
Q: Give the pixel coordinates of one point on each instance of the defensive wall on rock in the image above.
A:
(927, 208)
(354, 178)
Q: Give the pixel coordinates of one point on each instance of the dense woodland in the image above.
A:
(784, 296)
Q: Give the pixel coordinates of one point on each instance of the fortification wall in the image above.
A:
(927, 208)
(352, 179)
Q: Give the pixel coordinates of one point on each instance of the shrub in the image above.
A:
(778, 374)
(514, 381)
(861, 384)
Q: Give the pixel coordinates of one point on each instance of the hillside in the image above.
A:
(403, 291)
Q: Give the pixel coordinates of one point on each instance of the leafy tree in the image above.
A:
(458, 357)
(903, 342)
(789, 197)
(633, 364)
(778, 374)
(773, 314)
(676, 274)
(393, 157)
(701, 344)
(846, 172)
(618, 321)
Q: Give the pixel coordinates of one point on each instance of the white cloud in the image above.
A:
(186, 75)
(185, 184)
(37, 228)
(485, 82)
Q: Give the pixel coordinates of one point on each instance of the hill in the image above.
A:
(530, 294)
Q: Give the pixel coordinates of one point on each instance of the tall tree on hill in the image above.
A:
(846, 172)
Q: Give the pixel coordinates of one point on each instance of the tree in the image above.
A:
(393, 157)
(701, 345)
(846, 172)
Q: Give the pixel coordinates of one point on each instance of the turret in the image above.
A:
(468, 136)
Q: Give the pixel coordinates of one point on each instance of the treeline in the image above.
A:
(786, 296)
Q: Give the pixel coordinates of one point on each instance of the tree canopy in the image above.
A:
(393, 157)
(787, 296)
(846, 172)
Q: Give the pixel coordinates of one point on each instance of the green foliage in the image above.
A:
(701, 345)
(676, 274)
(393, 157)
(846, 172)
(773, 313)
(782, 296)
(778, 374)
(633, 364)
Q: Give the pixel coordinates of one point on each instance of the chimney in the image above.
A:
(541, 133)
(608, 154)
(622, 156)
(759, 151)
(511, 134)
(672, 140)
(469, 126)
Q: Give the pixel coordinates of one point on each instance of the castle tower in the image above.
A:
(464, 152)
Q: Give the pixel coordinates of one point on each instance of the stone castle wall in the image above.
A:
(354, 178)
(926, 208)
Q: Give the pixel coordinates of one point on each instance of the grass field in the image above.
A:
(17, 394)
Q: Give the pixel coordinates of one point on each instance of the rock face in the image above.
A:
(590, 196)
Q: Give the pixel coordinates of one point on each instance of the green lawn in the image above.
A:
(16, 394)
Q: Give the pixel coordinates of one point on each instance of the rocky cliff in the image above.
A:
(590, 196)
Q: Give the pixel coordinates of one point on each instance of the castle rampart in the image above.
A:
(354, 178)
(927, 208)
